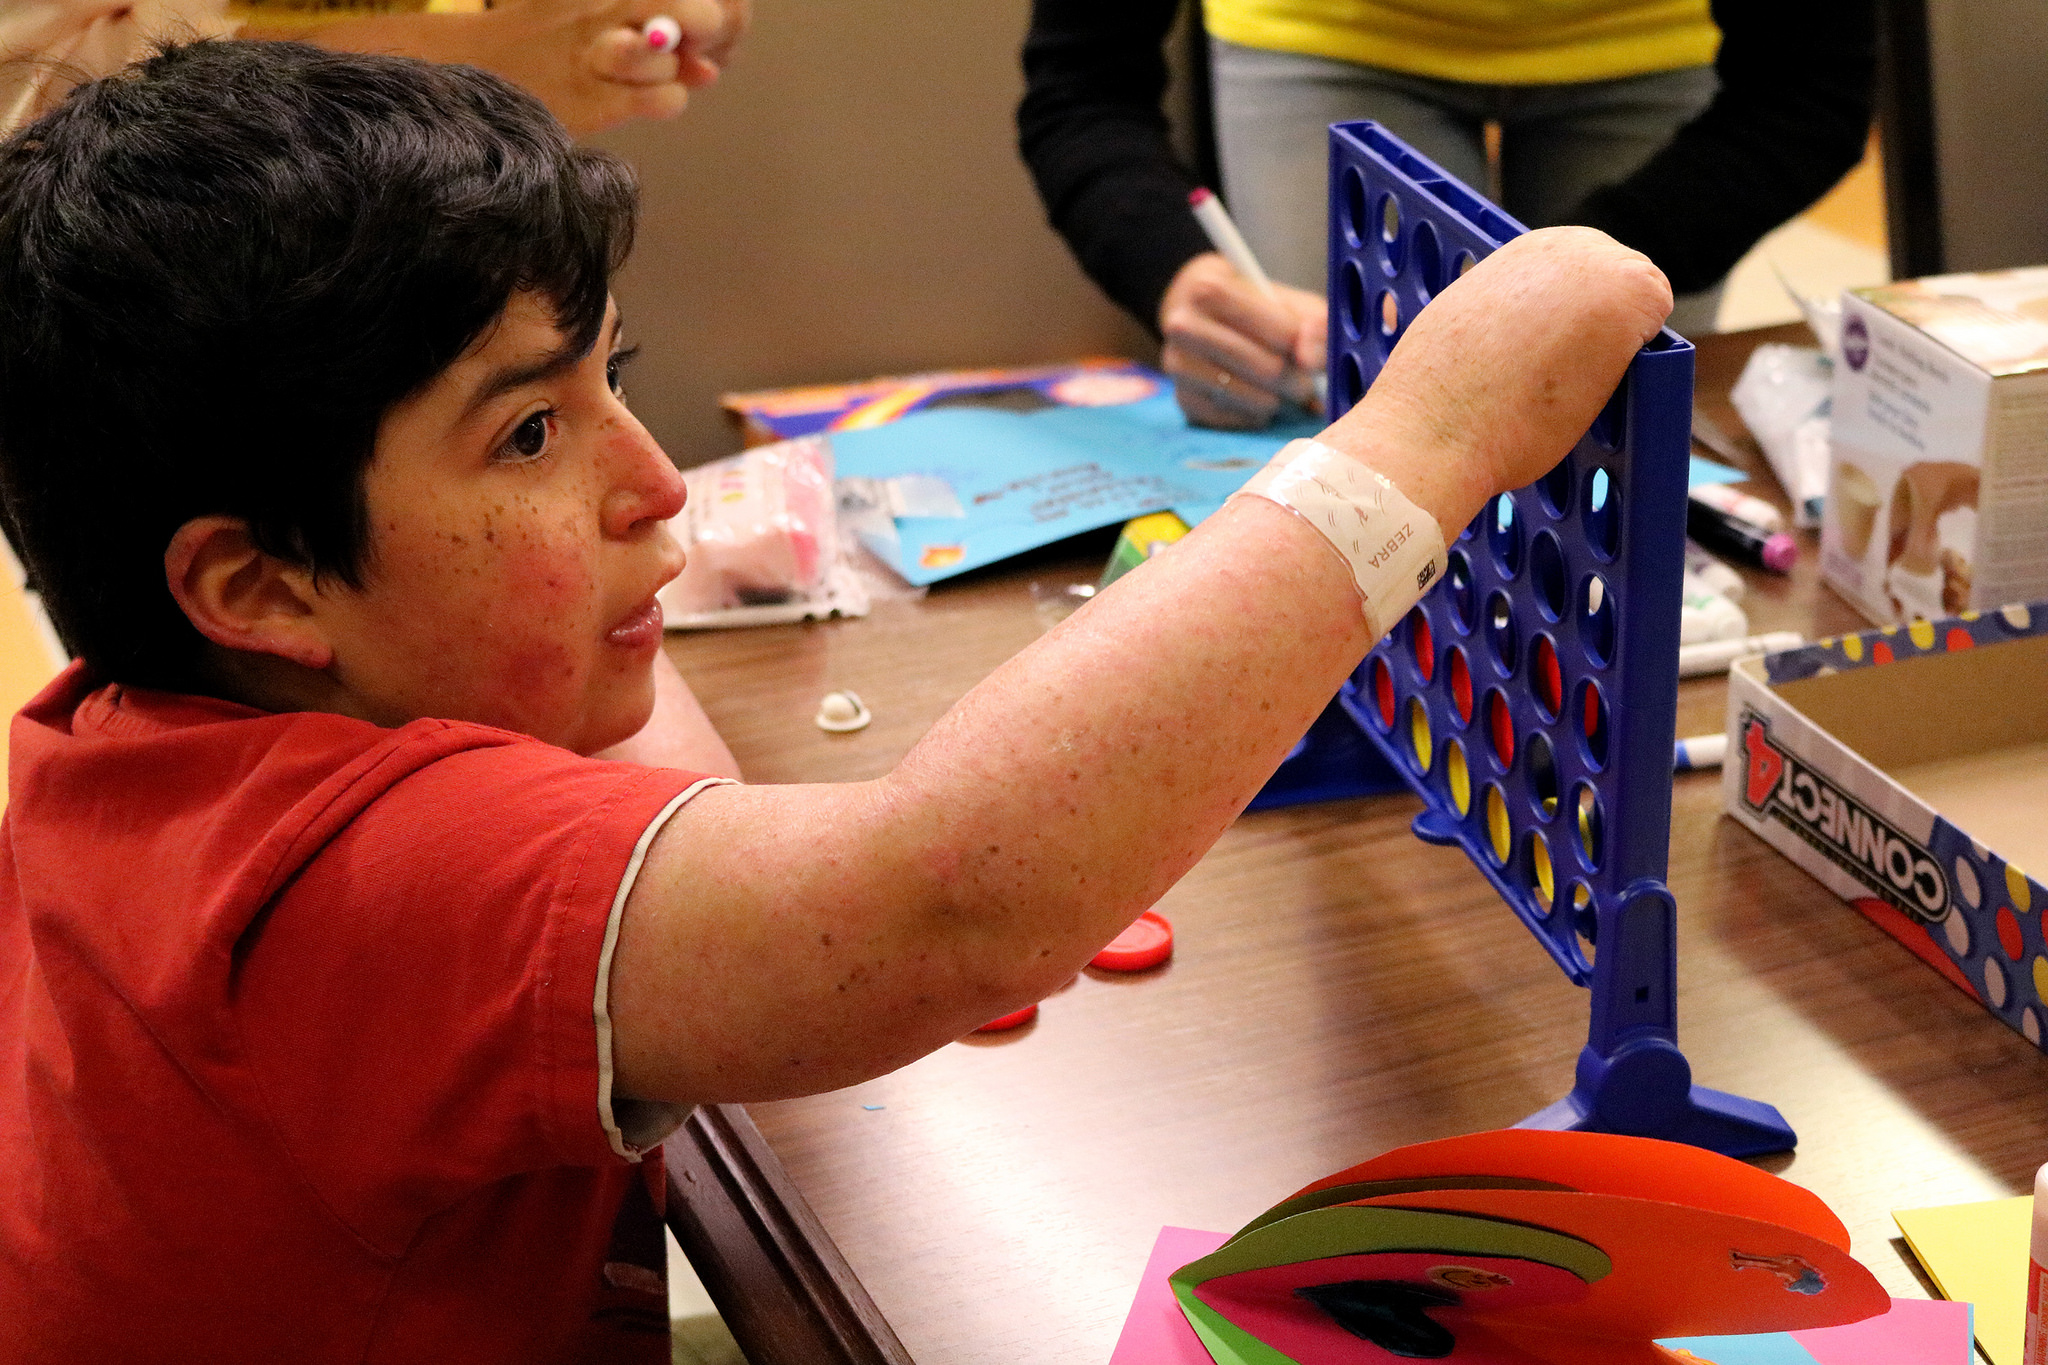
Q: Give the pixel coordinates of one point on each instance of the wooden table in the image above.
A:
(1338, 988)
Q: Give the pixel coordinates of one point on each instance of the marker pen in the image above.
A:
(1224, 236)
(1741, 506)
(1714, 573)
(1704, 614)
(1701, 751)
(1714, 656)
(1720, 532)
(662, 33)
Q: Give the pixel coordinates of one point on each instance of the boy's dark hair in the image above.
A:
(221, 268)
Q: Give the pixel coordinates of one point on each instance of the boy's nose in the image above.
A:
(650, 490)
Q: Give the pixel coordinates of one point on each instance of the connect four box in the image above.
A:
(1925, 826)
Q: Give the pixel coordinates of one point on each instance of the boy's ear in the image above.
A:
(242, 598)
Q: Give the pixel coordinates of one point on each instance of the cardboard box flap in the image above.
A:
(1996, 320)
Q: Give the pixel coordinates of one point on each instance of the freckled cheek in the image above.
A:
(547, 585)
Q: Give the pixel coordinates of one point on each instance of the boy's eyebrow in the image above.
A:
(511, 377)
(558, 361)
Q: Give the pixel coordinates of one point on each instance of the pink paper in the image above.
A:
(1155, 1333)
(1915, 1332)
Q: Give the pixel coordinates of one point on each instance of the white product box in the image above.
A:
(1938, 485)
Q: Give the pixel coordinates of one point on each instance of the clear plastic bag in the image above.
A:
(761, 535)
(1785, 396)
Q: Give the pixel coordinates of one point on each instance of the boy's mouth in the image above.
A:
(640, 628)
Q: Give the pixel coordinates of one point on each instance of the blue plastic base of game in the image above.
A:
(1530, 698)
(1646, 1090)
(1334, 761)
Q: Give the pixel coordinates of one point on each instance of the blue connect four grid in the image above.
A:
(1530, 699)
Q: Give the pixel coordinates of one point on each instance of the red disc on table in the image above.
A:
(1010, 1021)
(1147, 943)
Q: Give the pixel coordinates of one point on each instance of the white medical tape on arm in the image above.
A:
(1395, 550)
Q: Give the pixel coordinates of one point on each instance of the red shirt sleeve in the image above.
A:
(418, 1004)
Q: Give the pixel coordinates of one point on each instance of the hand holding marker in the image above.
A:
(1230, 243)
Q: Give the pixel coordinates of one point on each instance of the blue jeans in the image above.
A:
(1558, 144)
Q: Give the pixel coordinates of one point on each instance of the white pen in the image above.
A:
(1714, 656)
(1223, 234)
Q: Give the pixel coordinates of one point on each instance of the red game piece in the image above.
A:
(1010, 1021)
(1147, 943)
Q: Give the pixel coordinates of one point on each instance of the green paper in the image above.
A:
(1226, 1342)
(1354, 1231)
(1373, 1189)
(1322, 1232)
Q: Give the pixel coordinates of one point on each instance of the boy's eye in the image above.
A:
(614, 368)
(530, 438)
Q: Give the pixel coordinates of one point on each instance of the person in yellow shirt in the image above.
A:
(1585, 92)
(1685, 128)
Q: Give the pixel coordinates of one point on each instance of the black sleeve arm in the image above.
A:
(1095, 138)
(1790, 120)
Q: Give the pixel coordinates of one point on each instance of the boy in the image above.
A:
(338, 995)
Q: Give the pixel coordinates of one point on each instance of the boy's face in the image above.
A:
(516, 543)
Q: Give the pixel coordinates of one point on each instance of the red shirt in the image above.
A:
(301, 1053)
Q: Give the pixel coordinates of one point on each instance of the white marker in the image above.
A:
(662, 33)
(1712, 572)
(1741, 506)
(1701, 751)
(1714, 656)
(1223, 234)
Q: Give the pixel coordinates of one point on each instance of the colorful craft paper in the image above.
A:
(1978, 1253)
(1914, 1332)
(1678, 1270)
(1526, 1247)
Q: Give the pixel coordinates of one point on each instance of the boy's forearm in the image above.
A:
(1058, 799)
(1028, 827)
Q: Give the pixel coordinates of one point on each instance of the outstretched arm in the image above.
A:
(786, 940)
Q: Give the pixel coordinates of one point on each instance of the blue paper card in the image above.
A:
(1027, 479)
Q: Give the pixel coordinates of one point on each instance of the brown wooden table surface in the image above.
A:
(1338, 988)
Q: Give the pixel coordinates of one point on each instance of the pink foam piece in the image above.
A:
(1156, 1333)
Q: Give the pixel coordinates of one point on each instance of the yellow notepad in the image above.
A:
(1977, 1253)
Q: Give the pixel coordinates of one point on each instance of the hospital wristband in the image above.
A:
(1394, 549)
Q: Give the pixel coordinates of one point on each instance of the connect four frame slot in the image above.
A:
(1530, 699)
